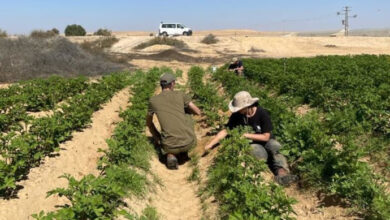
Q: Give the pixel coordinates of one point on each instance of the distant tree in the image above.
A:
(3, 33)
(75, 30)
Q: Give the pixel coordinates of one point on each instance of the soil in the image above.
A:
(177, 198)
(77, 157)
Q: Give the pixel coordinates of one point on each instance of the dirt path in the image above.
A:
(176, 198)
(78, 157)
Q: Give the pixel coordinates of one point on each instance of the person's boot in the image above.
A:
(172, 162)
(286, 180)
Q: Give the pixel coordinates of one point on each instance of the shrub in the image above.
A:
(42, 34)
(3, 33)
(99, 45)
(210, 39)
(55, 31)
(161, 41)
(102, 32)
(26, 58)
(75, 30)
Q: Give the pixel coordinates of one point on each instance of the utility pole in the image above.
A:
(345, 22)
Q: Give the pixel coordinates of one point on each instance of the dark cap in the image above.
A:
(167, 78)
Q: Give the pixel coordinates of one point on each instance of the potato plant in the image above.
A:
(310, 147)
(129, 152)
(21, 151)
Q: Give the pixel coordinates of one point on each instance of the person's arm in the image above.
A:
(258, 137)
(240, 68)
(221, 135)
(152, 128)
(194, 109)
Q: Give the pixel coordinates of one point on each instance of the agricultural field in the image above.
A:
(78, 148)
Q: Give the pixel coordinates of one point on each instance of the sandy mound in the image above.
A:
(157, 48)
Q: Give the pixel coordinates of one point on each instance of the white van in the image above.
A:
(172, 29)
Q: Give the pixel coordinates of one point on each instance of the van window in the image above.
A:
(179, 26)
(171, 25)
(164, 26)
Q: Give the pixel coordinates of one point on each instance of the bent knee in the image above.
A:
(259, 152)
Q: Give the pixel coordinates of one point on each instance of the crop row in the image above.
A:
(354, 89)
(312, 150)
(99, 197)
(235, 177)
(22, 151)
(35, 95)
(353, 93)
(207, 96)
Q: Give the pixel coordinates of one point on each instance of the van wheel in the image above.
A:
(165, 34)
(185, 33)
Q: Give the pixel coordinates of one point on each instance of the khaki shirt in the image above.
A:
(176, 126)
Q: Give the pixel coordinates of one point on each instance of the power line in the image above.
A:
(345, 22)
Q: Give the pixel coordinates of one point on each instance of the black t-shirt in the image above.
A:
(235, 65)
(260, 122)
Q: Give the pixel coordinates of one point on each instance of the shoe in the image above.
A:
(286, 180)
(172, 162)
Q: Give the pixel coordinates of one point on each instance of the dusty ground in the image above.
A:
(241, 43)
(77, 157)
(177, 199)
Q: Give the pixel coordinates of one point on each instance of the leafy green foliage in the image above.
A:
(74, 30)
(235, 179)
(309, 144)
(99, 197)
(22, 151)
(207, 96)
(358, 86)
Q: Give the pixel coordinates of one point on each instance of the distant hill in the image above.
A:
(357, 32)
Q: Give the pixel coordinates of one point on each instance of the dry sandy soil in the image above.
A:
(79, 155)
(242, 42)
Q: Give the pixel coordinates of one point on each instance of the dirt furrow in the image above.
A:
(78, 157)
(176, 198)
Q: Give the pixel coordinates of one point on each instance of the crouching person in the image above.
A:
(177, 130)
(246, 112)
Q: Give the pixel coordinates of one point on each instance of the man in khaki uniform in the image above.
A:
(177, 129)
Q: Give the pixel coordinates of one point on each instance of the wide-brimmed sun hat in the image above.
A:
(241, 100)
(234, 59)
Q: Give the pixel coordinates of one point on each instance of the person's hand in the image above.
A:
(246, 135)
(208, 147)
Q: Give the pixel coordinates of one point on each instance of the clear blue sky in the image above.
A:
(22, 16)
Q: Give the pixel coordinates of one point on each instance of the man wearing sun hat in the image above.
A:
(177, 131)
(236, 66)
(246, 112)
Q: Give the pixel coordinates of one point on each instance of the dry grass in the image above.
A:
(99, 47)
(3, 33)
(256, 50)
(162, 41)
(43, 34)
(209, 39)
(102, 32)
(26, 58)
